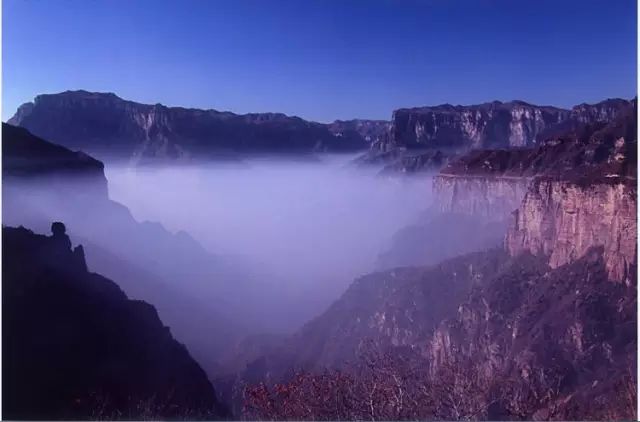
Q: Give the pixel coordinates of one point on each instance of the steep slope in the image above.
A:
(106, 125)
(75, 347)
(190, 287)
(543, 329)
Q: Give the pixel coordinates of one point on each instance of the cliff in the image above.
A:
(562, 220)
(544, 344)
(481, 336)
(492, 183)
(491, 125)
(543, 329)
(28, 157)
(496, 124)
(105, 124)
(456, 130)
(75, 347)
(489, 199)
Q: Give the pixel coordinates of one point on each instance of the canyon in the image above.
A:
(513, 296)
(521, 325)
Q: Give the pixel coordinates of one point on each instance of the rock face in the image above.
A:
(496, 124)
(553, 344)
(540, 325)
(562, 220)
(105, 124)
(75, 347)
(455, 130)
(492, 183)
(490, 199)
(490, 125)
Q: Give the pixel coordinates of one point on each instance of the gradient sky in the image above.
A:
(324, 59)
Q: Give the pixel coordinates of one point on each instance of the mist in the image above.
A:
(227, 250)
(309, 227)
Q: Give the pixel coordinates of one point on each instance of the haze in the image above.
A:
(313, 225)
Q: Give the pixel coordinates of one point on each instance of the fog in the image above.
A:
(311, 226)
(226, 250)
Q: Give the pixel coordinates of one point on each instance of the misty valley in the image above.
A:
(170, 263)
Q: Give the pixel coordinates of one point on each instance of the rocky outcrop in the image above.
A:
(555, 344)
(490, 125)
(106, 125)
(394, 308)
(496, 124)
(534, 331)
(75, 347)
(563, 220)
(456, 130)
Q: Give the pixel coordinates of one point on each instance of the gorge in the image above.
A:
(502, 264)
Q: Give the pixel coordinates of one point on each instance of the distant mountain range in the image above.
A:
(106, 125)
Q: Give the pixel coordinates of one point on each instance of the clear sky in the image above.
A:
(324, 59)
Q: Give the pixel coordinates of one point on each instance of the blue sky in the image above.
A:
(324, 59)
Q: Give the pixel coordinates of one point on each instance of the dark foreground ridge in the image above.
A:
(75, 347)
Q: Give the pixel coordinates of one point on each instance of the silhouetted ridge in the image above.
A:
(74, 346)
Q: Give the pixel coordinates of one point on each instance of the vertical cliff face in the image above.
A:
(496, 124)
(488, 198)
(454, 130)
(562, 220)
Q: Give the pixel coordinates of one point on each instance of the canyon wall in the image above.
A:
(454, 130)
(490, 125)
(488, 198)
(496, 124)
(562, 220)
(107, 125)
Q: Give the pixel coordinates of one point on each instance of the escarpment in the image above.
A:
(456, 130)
(556, 331)
(485, 198)
(491, 125)
(542, 328)
(563, 220)
(75, 347)
(496, 124)
(106, 125)
(492, 183)
(27, 158)
(567, 211)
